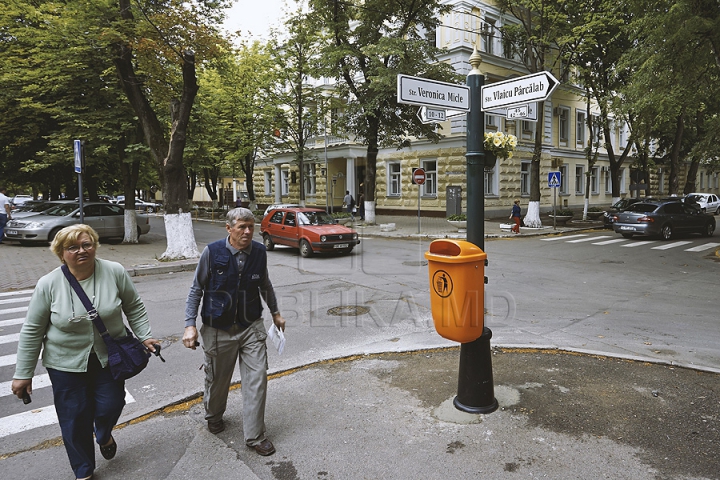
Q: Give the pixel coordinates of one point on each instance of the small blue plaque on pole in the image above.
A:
(554, 179)
(77, 145)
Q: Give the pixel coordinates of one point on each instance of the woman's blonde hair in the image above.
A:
(69, 236)
(517, 200)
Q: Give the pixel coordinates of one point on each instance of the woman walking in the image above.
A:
(87, 398)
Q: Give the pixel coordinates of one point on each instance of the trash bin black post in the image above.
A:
(476, 393)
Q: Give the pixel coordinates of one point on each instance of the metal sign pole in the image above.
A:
(554, 203)
(419, 187)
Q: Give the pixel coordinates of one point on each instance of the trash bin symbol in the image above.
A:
(457, 289)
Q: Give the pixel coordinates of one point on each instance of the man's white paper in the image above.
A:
(277, 337)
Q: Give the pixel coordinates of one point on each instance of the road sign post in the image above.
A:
(554, 182)
(79, 155)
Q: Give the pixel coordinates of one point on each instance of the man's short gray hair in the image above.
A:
(237, 214)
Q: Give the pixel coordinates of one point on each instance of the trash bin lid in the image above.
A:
(454, 251)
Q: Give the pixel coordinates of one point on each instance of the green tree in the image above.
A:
(367, 44)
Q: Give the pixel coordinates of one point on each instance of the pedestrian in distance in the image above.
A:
(87, 398)
(230, 278)
(515, 216)
(5, 212)
(349, 203)
(361, 206)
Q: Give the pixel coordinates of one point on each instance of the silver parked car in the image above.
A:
(108, 221)
(663, 219)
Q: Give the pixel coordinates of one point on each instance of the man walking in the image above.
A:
(5, 212)
(349, 202)
(230, 278)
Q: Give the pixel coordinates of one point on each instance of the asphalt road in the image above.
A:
(658, 304)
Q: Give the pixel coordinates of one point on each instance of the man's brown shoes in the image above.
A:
(264, 448)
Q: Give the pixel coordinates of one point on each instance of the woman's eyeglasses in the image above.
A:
(87, 246)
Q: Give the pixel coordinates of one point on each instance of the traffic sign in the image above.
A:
(77, 147)
(419, 176)
(432, 93)
(530, 88)
(432, 115)
(527, 112)
(554, 179)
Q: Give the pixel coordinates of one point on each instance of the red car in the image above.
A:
(311, 230)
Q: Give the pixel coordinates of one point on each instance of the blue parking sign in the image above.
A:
(77, 146)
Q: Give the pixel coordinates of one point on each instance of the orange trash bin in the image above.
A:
(457, 289)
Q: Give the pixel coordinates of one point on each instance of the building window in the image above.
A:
(580, 125)
(661, 180)
(525, 178)
(597, 132)
(564, 125)
(492, 122)
(606, 179)
(563, 179)
(309, 178)
(285, 182)
(393, 179)
(491, 180)
(488, 36)
(429, 188)
(621, 175)
(579, 179)
(594, 181)
(268, 183)
(527, 130)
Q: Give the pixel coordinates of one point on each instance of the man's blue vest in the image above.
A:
(228, 296)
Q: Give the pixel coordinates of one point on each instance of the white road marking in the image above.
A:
(38, 381)
(13, 310)
(552, 239)
(608, 242)
(701, 248)
(670, 245)
(17, 292)
(6, 360)
(13, 337)
(14, 300)
(588, 239)
(12, 321)
(638, 244)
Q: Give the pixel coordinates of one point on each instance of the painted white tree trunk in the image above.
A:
(370, 212)
(130, 225)
(180, 238)
(585, 208)
(532, 218)
(253, 206)
(615, 200)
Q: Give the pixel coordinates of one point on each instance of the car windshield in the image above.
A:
(642, 208)
(62, 210)
(694, 198)
(315, 218)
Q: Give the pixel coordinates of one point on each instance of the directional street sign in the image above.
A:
(432, 115)
(554, 179)
(419, 176)
(431, 93)
(526, 112)
(530, 88)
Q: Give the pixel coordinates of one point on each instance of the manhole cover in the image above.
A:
(419, 263)
(348, 310)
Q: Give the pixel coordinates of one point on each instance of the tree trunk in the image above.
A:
(168, 156)
(532, 218)
(675, 153)
(130, 173)
(371, 170)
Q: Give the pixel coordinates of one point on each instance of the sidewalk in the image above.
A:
(390, 415)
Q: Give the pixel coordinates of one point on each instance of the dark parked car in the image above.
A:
(309, 229)
(662, 218)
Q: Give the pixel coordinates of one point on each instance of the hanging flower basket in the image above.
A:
(500, 145)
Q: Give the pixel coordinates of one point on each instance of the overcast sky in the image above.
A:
(256, 16)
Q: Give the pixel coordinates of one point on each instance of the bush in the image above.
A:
(341, 215)
(458, 217)
(595, 209)
(563, 213)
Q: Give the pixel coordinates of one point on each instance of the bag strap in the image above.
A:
(92, 312)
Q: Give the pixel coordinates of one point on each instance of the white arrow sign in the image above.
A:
(530, 88)
(431, 93)
(431, 115)
(526, 112)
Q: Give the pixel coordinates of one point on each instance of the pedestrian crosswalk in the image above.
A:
(15, 417)
(693, 245)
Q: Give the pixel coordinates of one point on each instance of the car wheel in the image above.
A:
(269, 244)
(709, 230)
(305, 249)
(151, 210)
(139, 232)
(717, 212)
(53, 232)
(666, 232)
(627, 235)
